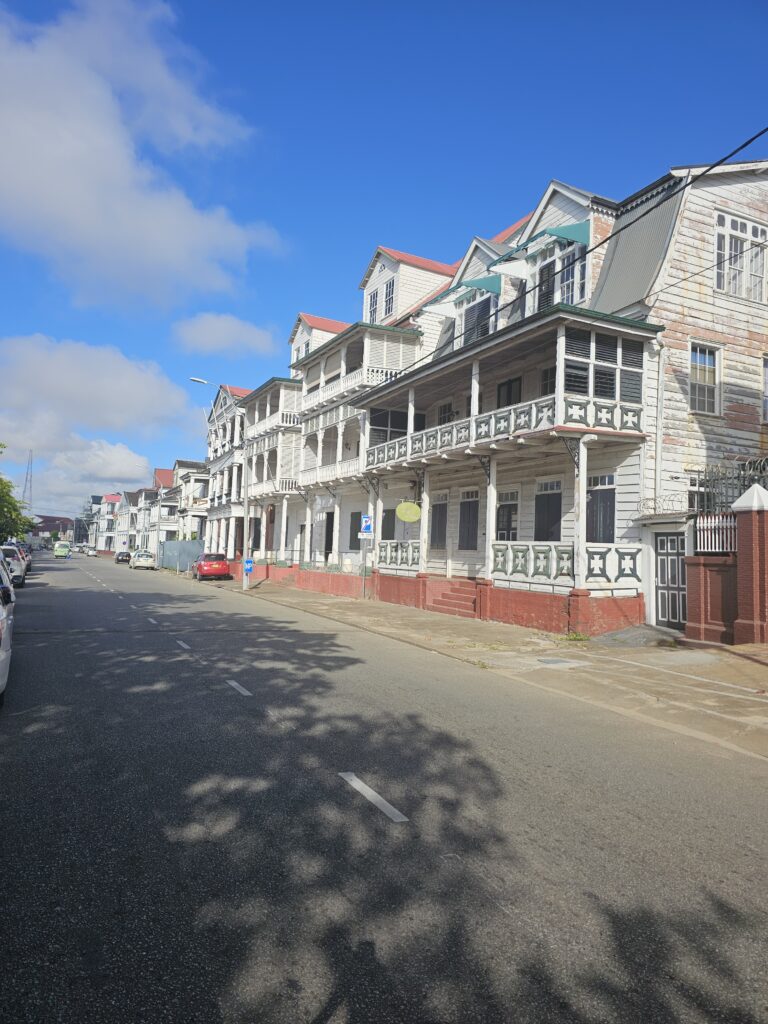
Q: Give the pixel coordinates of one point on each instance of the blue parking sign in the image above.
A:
(248, 566)
(366, 525)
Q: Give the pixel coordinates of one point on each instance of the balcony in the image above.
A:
(275, 421)
(333, 471)
(361, 379)
(509, 422)
(281, 485)
(607, 567)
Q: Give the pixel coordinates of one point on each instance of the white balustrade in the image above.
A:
(715, 533)
(398, 556)
(548, 565)
(362, 377)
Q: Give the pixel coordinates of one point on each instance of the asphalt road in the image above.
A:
(178, 843)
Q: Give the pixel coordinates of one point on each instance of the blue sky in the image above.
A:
(173, 160)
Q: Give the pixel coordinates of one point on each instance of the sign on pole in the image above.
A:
(366, 527)
(248, 566)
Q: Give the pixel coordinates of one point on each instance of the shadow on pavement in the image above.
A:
(193, 854)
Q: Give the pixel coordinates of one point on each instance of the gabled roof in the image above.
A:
(420, 262)
(111, 497)
(513, 229)
(234, 391)
(578, 195)
(317, 323)
(162, 478)
(189, 464)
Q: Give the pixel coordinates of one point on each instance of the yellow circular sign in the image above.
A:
(408, 512)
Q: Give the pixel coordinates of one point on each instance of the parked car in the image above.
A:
(92, 552)
(7, 601)
(142, 560)
(61, 549)
(27, 549)
(123, 556)
(16, 564)
(211, 567)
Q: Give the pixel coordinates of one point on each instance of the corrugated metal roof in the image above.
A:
(633, 258)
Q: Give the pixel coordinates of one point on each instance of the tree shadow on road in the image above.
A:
(203, 860)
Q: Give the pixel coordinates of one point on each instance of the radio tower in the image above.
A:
(26, 494)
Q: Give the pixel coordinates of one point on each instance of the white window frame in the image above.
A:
(718, 385)
(750, 280)
(450, 418)
(573, 256)
(506, 498)
(389, 297)
(765, 387)
(373, 306)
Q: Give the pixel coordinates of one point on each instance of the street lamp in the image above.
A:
(246, 485)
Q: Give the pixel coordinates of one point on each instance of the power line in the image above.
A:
(617, 231)
(705, 270)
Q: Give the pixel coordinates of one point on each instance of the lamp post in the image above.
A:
(243, 446)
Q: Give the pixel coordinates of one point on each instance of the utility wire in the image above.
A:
(617, 231)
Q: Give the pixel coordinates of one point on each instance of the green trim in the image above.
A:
(488, 283)
(578, 233)
(268, 384)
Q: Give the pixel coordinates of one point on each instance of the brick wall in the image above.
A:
(712, 606)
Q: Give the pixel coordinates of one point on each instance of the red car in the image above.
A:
(209, 567)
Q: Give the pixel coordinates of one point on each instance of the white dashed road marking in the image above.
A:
(370, 794)
(182, 644)
(239, 688)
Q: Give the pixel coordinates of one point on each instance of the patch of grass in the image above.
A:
(576, 637)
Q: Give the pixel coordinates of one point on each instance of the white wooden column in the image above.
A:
(491, 495)
(377, 524)
(308, 530)
(474, 399)
(263, 533)
(580, 471)
(560, 377)
(339, 442)
(335, 553)
(231, 532)
(411, 410)
(320, 438)
(283, 527)
(279, 459)
(424, 524)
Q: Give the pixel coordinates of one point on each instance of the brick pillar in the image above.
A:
(751, 625)
(421, 589)
(483, 603)
(580, 612)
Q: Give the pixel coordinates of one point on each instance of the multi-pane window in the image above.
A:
(509, 392)
(389, 297)
(740, 247)
(703, 385)
(700, 497)
(373, 306)
(603, 366)
(573, 275)
(469, 511)
(548, 509)
(439, 523)
(601, 508)
(548, 381)
(507, 507)
(389, 424)
(444, 414)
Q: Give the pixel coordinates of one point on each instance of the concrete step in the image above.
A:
(446, 604)
(462, 612)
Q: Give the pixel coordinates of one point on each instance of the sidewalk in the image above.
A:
(716, 694)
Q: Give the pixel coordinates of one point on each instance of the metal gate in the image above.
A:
(670, 580)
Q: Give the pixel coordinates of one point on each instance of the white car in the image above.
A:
(92, 553)
(142, 560)
(7, 601)
(15, 563)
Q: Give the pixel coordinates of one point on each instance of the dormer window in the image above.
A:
(562, 276)
(373, 306)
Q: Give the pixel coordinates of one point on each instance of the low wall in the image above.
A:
(404, 590)
(712, 597)
(335, 583)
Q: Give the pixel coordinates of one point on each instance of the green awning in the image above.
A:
(490, 283)
(572, 232)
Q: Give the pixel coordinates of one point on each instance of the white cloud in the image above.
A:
(222, 334)
(82, 99)
(66, 394)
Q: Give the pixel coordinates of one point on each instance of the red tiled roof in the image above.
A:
(163, 478)
(446, 269)
(504, 235)
(237, 392)
(322, 323)
(111, 497)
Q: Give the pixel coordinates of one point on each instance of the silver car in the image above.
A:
(7, 600)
